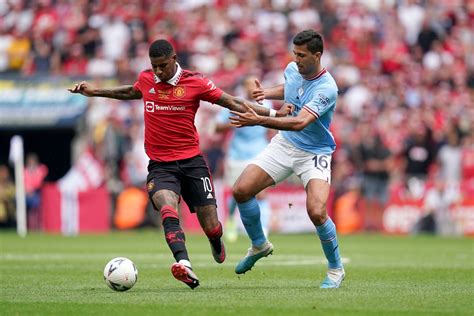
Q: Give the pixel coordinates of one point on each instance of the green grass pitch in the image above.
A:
(386, 275)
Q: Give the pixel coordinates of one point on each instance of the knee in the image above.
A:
(241, 193)
(318, 213)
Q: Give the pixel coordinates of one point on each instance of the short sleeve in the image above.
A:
(323, 100)
(209, 91)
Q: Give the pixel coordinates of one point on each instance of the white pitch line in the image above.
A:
(277, 260)
(278, 263)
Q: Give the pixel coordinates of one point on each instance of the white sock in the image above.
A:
(185, 262)
(335, 274)
(262, 246)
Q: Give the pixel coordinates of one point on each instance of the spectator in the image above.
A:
(426, 37)
(20, 17)
(115, 37)
(374, 159)
(449, 158)
(18, 50)
(436, 217)
(5, 43)
(35, 174)
(7, 198)
(42, 60)
(99, 66)
(75, 63)
(411, 15)
(467, 156)
(418, 155)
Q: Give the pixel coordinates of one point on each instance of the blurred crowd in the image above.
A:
(405, 71)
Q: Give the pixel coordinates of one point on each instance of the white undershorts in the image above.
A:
(280, 159)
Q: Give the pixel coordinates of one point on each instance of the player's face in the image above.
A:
(164, 67)
(306, 61)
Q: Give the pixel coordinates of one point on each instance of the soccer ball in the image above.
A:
(120, 274)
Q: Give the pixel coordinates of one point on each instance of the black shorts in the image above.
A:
(189, 178)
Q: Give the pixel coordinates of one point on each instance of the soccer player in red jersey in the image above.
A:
(171, 97)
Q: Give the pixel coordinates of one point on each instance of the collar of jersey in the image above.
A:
(174, 80)
(322, 72)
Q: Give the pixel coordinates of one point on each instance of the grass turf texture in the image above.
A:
(386, 275)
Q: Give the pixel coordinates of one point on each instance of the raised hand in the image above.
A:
(258, 93)
(83, 88)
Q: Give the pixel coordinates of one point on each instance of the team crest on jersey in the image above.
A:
(150, 185)
(300, 91)
(179, 92)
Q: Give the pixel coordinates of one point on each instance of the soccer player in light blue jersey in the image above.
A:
(304, 146)
(245, 144)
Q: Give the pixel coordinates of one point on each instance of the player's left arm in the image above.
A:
(287, 123)
(239, 105)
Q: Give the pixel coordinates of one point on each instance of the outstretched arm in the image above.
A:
(240, 105)
(290, 123)
(121, 92)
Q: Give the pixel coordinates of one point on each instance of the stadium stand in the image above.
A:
(405, 71)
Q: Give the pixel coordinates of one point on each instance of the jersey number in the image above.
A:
(206, 184)
(321, 162)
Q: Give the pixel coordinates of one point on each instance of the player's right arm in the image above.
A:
(273, 93)
(127, 92)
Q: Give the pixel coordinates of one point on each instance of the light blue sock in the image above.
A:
(264, 214)
(328, 237)
(250, 216)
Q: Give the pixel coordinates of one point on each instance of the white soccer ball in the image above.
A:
(120, 274)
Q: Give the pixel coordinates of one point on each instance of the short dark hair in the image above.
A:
(160, 48)
(312, 39)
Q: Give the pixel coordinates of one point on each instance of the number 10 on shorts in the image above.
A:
(206, 184)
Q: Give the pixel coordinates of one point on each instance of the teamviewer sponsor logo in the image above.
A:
(150, 106)
(170, 108)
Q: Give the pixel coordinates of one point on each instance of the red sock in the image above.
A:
(174, 235)
(214, 236)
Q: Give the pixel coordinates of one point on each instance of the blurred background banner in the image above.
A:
(38, 103)
(93, 211)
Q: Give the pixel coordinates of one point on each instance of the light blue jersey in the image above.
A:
(317, 96)
(247, 142)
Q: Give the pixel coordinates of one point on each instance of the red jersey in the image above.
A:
(170, 109)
